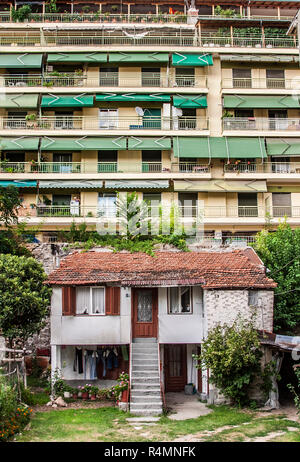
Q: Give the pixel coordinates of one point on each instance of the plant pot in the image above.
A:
(93, 397)
(80, 395)
(124, 396)
(85, 395)
(67, 394)
(75, 396)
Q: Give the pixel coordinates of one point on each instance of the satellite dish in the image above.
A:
(139, 111)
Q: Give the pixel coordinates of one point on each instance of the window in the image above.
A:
(253, 297)
(185, 77)
(16, 119)
(275, 78)
(108, 119)
(187, 204)
(64, 120)
(241, 78)
(109, 77)
(90, 300)
(247, 205)
(180, 300)
(107, 205)
(107, 161)
(151, 161)
(281, 204)
(277, 120)
(150, 76)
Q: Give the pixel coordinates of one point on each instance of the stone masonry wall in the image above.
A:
(223, 307)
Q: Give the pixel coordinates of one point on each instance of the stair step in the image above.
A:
(145, 399)
(144, 367)
(141, 391)
(144, 361)
(146, 375)
(144, 340)
(152, 412)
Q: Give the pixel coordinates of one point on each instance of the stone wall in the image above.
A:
(223, 307)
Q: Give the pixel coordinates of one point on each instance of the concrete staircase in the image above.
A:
(145, 397)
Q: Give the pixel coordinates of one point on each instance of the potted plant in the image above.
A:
(74, 393)
(93, 393)
(68, 391)
(86, 391)
(31, 118)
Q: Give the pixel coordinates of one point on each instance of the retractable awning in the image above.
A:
(219, 147)
(18, 183)
(190, 101)
(21, 60)
(137, 184)
(19, 144)
(26, 101)
(220, 186)
(268, 102)
(144, 143)
(124, 57)
(161, 97)
(288, 147)
(77, 57)
(260, 58)
(71, 184)
(83, 143)
(192, 59)
(82, 100)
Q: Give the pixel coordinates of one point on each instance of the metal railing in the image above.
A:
(105, 123)
(266, 167)
(260, 124)
(38, 80)
(209, 40)
(184, 212)
(265, 83)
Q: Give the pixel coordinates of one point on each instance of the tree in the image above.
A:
(232, 354)
(24, 299)
(9, 203)
(280, 253)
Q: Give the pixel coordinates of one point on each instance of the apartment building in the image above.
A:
(198, 108)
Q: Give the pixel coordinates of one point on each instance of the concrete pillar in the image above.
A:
(214, 99)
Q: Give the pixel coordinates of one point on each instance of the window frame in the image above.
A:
(90, 309)
(169, 300)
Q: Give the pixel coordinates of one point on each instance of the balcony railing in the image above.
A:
(266, 167)
(266, 83)
(177, 38)
(260, 124)
(184, 212)
(105, 123)
(19, 80)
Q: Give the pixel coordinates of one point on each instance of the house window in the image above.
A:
(90, 300)
(253, 297)
(180, 300)
(241, 78)
(275, 78)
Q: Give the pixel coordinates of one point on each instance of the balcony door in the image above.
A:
(62, 163)
(151, 77)
(188, 204)
(107, 205)
(275, 78)
(281, 204)
(151, 161)
(247, 205)
(144, 312)
(281, 165)
(241, 78)
(107, 161)
(277, 120)
(152, 118)
(185, 77)
(64, 120)
(108, 119)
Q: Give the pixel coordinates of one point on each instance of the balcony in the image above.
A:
(260, 83)
(283, 170)
(72, 123)
(260, 124)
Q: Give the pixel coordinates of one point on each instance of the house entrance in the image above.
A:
(144, 322)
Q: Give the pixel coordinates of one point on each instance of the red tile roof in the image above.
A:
(211, 269)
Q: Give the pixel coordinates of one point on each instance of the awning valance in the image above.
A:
(83, 143)
(67, 100)
(268, 102)
(219, 147)
(20, 60)
(221, 186)
(26, 101)
(191, 59)
(124, 57)
(161, 97)
(288, 147)
(137, 184)
(190, 101)
(144, 143)
(260, 58)
(18, 183)
(71, 184)
(19, 144)
(93, 57)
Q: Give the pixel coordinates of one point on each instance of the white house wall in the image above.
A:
(180, 328)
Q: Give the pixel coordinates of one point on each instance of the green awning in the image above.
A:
(220, 186)
(20, 60)
(83, 143)
(161, 97)
(137, 184)
(192, 59)
(260, 58)
(288, 147)
(190, 101)
(67, 101)
(71, 184)
(93, 57)
(19, 144)
(219, 147)
(18, 183)
(144, 143)
(135, 58)
(22, 101)
(268, 102)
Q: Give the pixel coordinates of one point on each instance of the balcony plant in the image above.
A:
(93, 393)
(31, 118)
(21, 14)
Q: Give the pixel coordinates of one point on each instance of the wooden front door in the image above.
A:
(144, 319)
(175, 367)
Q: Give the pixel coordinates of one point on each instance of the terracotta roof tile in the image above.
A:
(211, 269)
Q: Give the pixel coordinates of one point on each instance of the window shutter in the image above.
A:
(112, 301)
(68, 301)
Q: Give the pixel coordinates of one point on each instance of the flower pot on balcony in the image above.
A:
(124, 396)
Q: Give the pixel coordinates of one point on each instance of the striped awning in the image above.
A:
(192, 59)
(71, 184)
(288, 147)
(128, 97)
(20, 100)
(23, 143)
(263, 102)
(142, 142)
(137, 184)
(127, 57)
(93, 57)
(83, 143)
(190, 101)
(20, 60)
(18, 183)
(82, 100)
(221, 186)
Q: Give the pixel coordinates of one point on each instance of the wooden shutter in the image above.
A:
(68, 301)
(112, 301)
